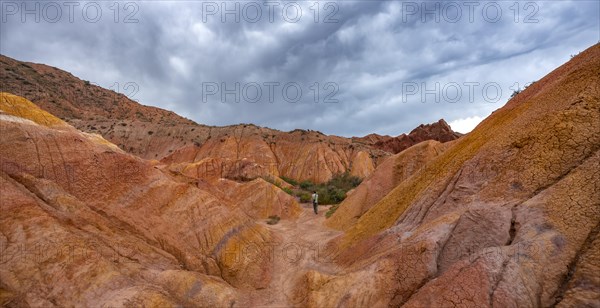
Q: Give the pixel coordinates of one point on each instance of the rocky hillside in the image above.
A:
(248, 152)
(84, 223)
(93, 109)
(242, 151)
(508, 215)
(438, 131)
(393, 171)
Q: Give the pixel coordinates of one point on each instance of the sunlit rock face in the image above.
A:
(387, 176)
(507, 215)
(243, 151)
(84, 223)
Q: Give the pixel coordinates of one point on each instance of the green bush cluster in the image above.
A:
(345, 181)
(307, 185)
(304, 197)
(288, 190)
(332, 192)
(290, 180)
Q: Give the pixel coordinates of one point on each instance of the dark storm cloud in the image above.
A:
(372, 52)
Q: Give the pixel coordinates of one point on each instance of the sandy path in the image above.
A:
(301, 248)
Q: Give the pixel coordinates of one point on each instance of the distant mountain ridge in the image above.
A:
(438, 131)
(154, 133)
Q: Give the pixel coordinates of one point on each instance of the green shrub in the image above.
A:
(273, 219)
(272, 180)
(307, 185)
(330, 195)
(344, 181)
(304, 197)
(332, 192)
(289, 191)
(290, 180)
(331, 210)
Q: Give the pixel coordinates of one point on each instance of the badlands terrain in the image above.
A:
(109, 203)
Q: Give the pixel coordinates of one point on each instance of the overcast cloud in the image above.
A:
(373, 57)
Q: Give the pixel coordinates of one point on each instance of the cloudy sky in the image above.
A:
(347, 68)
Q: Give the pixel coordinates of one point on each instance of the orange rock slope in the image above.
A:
(153, 133)
(84, 223)
(249, 152)
(508, 215)
(235, 152)
(90, 108)
(388, 175)
(438, 131)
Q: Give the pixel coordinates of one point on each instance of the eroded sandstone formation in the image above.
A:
(84, 223)
(507, 215)
(234, 152)
(387, 176)
(438, 131)
(302, 155)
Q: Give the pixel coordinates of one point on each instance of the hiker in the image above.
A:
(315, 201)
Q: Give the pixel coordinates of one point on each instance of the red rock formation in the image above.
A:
(240, 151)
(438, 131)
(508, 215)
(84, 223)
(259, 199)
(248, 152)
(387, 176)
(145, 131)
